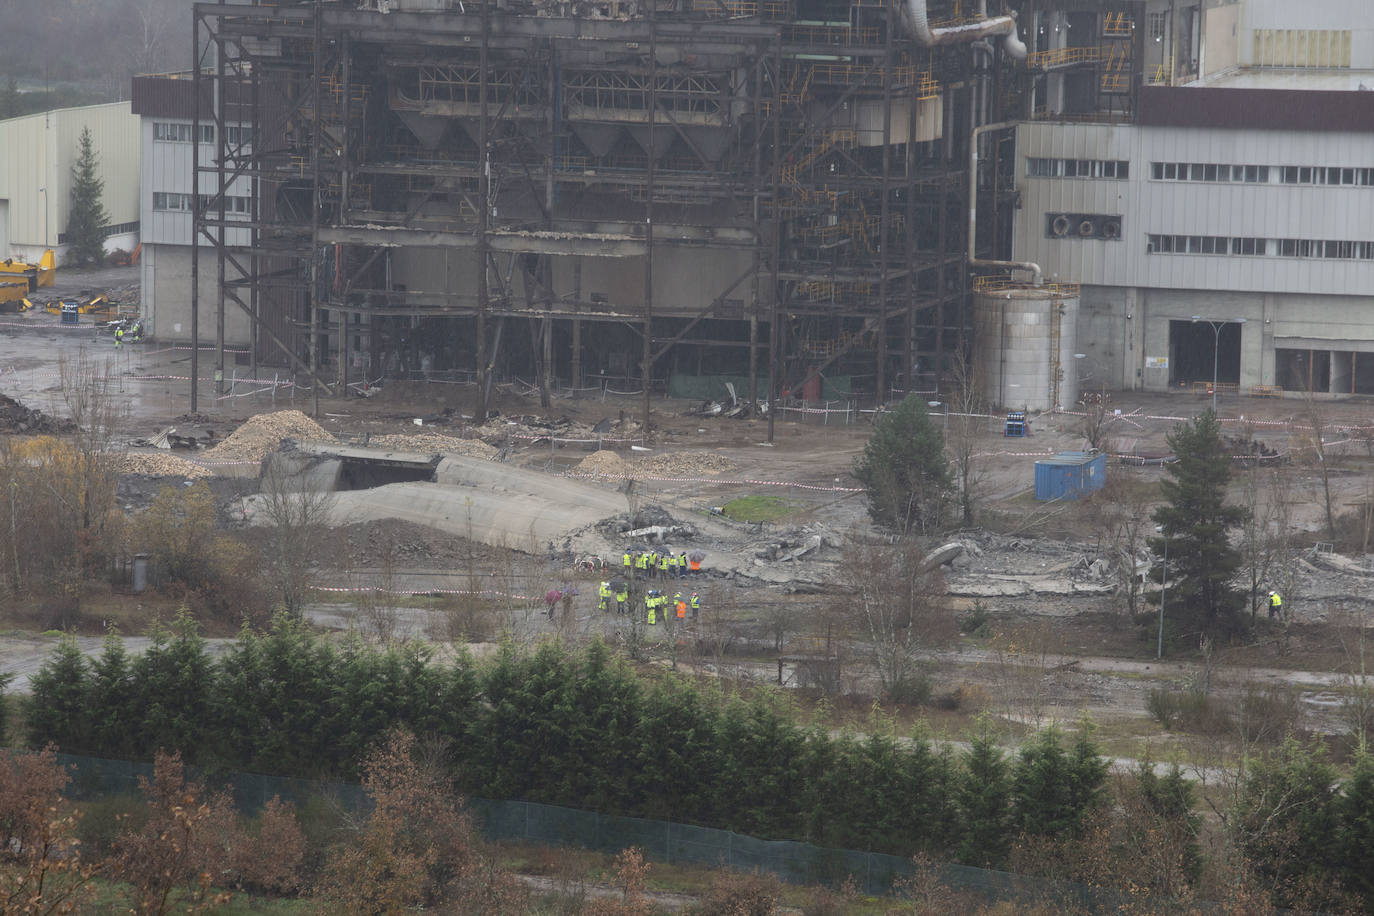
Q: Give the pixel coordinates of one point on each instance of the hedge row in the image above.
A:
(574, 728)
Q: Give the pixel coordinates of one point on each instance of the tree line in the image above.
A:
(580, 728)
(555, 726)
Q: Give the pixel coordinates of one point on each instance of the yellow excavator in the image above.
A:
(35, 275)
(18, 279)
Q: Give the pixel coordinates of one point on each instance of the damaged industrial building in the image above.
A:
(822, 199)
(607, 193)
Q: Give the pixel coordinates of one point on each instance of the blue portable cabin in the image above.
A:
(1068, 475)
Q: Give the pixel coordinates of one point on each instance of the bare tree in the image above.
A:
(1260, 537)
(964, 409)
(88, 392)
(296, 514)
(1097, 417)
(1121, 515)
(1317, 424)
(896, 609)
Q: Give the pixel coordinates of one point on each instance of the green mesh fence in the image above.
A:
(661, 841)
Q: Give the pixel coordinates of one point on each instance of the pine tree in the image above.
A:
(984, 796)
(87, 218)
(905, 469)
(1195, 524)
(57, 709)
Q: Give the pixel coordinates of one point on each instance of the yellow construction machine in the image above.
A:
(33, 275)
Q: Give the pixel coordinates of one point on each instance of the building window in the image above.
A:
(1117, 169)
(1327, 175)
(1204, 244)
(233, 206)
(236, 136)
(1208, 171)
(181, 133)
(1157, 22)
(165, 200)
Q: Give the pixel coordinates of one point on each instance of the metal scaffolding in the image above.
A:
(423, 180)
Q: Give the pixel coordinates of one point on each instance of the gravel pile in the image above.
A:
(683, 464)
(264, 433)
(433, 443)
(604, 462)
(155, 465)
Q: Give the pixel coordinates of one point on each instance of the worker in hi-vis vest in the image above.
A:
(1275, 605)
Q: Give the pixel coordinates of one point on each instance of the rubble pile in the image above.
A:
(157, 465)
(264, 433)
(683, 464)
(434, 443)
(533, 428)
(16, 418)
(649, 522)
(603, 462)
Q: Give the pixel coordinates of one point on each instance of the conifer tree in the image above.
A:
(984, 796)
(57, 709)
(1195, 522)
(87, 218)
(905, 469)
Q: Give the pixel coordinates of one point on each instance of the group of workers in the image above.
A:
(659, 606)
(651, 564)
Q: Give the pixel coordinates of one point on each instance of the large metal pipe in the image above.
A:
(1037, 276)
(917, 20)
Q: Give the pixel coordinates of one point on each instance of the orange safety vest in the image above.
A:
(696, 566)
(681, 609)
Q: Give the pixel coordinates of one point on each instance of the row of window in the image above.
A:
(173, 132)
(1261, 174)
(170, 200)
(1238, 245)
(106, 231)
(1077, 168)
(1208, 171)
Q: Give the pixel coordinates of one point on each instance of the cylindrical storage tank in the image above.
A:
(1024, 338)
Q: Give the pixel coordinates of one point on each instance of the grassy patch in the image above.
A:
(758, 508)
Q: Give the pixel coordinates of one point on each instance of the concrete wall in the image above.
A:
(1221, 39)
(38, 151)
(165, 271)
(1121, 328)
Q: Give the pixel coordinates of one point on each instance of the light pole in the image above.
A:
(44, 192)
(1216, 324)
(1163, 593)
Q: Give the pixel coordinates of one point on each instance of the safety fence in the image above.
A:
(660, 841)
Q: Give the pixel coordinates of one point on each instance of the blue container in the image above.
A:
(1069, 475)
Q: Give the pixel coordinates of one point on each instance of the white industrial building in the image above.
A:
(37, 153)
(165, 107)
(1231, 218)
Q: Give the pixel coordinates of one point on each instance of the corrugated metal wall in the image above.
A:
(39, 151)
(1226, 209)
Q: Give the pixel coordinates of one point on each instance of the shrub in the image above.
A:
(1267, 714)
(734, 893)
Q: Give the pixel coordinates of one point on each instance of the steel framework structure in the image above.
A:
(509, 148)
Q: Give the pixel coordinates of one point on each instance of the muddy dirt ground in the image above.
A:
(1053, 637)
